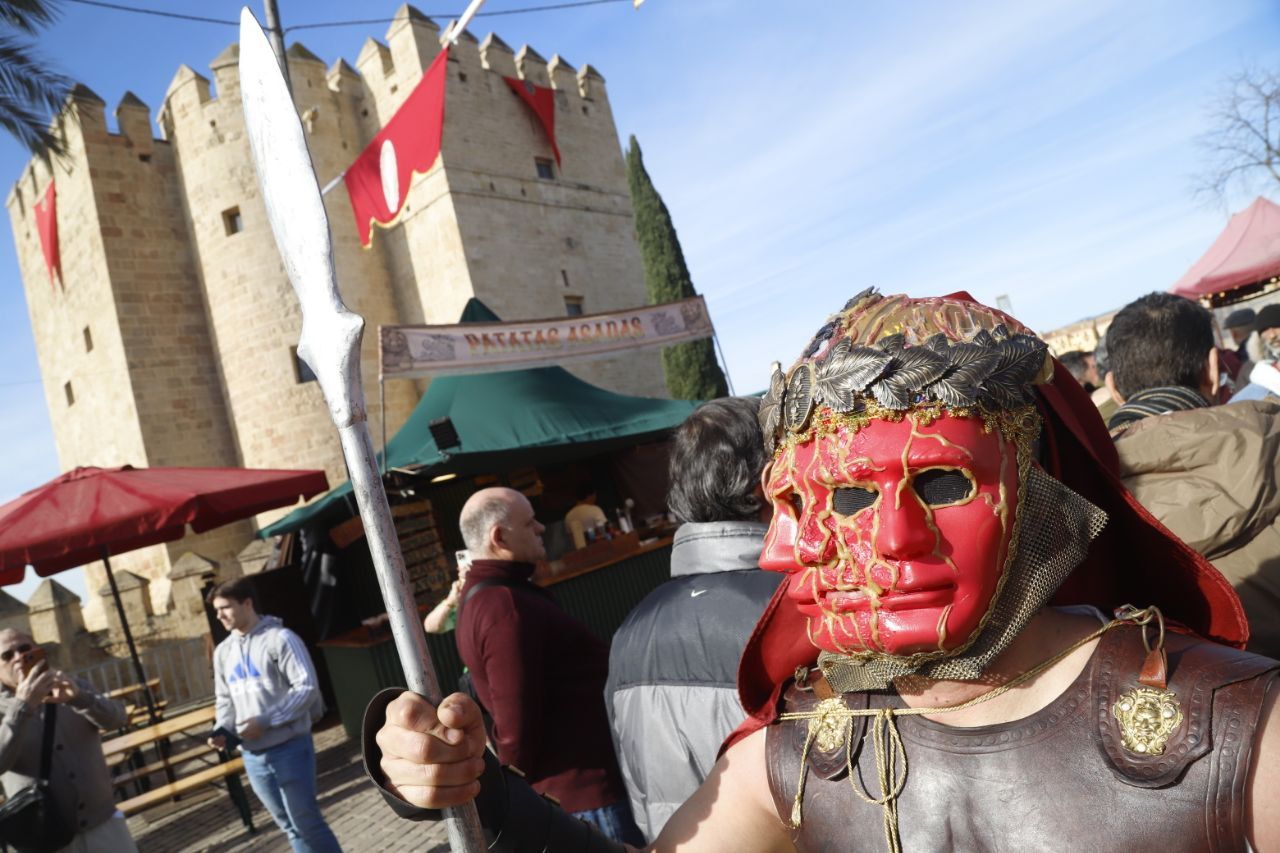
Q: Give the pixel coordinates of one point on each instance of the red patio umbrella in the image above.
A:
(90, 513)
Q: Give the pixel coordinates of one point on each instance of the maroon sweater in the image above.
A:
(540, 673)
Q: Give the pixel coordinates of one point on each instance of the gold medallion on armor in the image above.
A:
(828, 726)
(1148, 717)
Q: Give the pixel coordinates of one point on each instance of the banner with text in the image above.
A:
(407, 352)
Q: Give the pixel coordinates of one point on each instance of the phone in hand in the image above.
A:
(231, 739)
(30, 659)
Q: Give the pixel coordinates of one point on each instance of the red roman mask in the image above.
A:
(896, 532)
(903, 439)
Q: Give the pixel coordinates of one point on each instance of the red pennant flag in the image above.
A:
(47, 230)
(543, 103)
(378, 181)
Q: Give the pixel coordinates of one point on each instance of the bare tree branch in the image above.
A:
(1242, 152)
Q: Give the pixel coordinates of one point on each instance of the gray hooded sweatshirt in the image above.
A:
(267, 674)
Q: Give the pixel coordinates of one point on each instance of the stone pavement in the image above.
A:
(351, 805)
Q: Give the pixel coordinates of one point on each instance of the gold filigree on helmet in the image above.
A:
(882, 355)
(890, 358)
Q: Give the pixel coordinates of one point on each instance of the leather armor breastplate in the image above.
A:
(1058, 779)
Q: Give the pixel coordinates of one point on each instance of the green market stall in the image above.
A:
(501, 421)
(474, 430)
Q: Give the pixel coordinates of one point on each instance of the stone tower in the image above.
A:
(171, 338)
(14, 614)
(56, 620)
(125, 350)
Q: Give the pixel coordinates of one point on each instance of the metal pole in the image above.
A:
(128, 638)
(275, 35)
(382, 402)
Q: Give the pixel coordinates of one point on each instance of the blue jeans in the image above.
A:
(284, 778)
(616, 822)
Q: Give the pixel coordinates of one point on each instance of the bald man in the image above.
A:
(538, 671)
(79, 781)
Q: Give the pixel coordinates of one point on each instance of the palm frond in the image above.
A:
(28, 15)
(30, 95)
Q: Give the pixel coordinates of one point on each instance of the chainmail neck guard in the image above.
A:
(1056, 526)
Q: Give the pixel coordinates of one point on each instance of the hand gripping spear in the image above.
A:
(330, 345)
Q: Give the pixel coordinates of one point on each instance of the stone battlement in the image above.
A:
(171, 338)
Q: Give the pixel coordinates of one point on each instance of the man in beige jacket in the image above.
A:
(79, 782)
(1208, 473)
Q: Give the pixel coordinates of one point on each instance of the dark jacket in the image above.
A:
(672, 690)
(540, 674)
(1212, 476)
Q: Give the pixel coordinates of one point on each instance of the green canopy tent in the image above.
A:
(503, 420)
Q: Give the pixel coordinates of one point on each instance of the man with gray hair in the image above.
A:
(539, 672)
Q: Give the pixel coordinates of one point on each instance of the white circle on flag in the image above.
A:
(390, 175)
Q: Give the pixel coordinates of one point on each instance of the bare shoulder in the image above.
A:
(733, 809)
(1263, 819)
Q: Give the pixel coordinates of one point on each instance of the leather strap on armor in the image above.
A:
(1196, 672)
(1050, 780)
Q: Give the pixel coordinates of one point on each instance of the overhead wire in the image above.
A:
(157, 12)
(523, 10)
(491, 14)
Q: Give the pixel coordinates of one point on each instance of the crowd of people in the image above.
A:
(935, 590)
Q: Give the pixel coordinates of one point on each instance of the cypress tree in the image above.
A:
(690, 368)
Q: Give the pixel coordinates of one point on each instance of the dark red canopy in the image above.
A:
(68, 521)
(1246, 252)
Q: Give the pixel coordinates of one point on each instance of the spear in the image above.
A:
(330, 345)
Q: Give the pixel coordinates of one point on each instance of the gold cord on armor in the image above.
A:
(830, 722)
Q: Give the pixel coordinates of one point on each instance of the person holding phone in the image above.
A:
(79, 781)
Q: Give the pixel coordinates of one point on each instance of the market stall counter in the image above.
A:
(599, 584)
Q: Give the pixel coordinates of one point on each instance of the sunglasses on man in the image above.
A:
(9, 654)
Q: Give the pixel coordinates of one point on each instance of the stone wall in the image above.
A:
(170, 339)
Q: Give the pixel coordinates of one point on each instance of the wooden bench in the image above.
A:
(229, 770)
(165, 728)
(194, 724)
(165, 763)
(130, 689)
(140, 715)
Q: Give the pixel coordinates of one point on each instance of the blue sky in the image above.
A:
(1041, 150)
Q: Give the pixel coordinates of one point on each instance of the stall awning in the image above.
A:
(508, 419)
(1246, 252)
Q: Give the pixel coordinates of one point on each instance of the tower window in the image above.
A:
(564, 276)
(88, 340)
(546, 168)
(301, 370)
(572, 306)
(71, 395)
(232, 222)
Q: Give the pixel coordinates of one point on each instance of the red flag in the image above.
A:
(378, 181)
(47, 229)
(543, 103)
